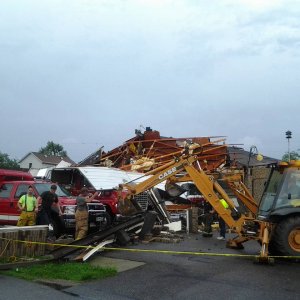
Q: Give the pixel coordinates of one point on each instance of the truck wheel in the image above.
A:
(286, 238)
(107, 221)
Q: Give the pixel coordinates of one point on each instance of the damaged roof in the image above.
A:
(247, 159)
(104, 178)
(149, 150)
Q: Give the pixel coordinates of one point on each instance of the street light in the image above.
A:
(288, 135)
(252, 152)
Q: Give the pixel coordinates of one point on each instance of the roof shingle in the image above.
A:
(52, 159)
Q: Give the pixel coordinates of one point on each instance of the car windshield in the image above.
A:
(44, 186)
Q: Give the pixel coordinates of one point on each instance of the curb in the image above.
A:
(57, 284)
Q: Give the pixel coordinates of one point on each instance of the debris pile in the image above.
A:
(148, 150)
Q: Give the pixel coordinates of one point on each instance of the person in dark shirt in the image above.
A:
(208, 219)
(50, 213)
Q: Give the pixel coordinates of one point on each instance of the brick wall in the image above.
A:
(256, 181)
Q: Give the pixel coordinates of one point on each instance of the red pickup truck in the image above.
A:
(102, 179)
(14, 184)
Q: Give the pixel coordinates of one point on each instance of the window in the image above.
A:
(43, 187)
(21, 190)
(30, 165)
(5, 190)
(290, 192)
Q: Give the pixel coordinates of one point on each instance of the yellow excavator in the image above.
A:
(274, 223)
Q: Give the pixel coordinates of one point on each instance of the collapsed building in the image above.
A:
(148, 150)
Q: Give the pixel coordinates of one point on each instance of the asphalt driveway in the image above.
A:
(155, 275)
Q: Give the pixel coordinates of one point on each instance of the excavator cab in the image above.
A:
(282, 193)
(280, 206)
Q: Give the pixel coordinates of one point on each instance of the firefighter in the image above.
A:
(82, 215)
(209, 213)
(222, 224)
(28, 206)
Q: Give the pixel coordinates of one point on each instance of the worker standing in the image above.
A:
(208, 219)
(209, 213)
(50, 213)
(222, 227)
(82, 215)
(28, 206)
(222, 224)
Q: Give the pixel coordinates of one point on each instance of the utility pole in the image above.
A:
(288, 135)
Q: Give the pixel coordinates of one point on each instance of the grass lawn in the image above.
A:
(74, 271)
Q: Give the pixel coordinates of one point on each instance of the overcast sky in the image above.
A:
(87, 73)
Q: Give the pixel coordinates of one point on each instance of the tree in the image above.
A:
(53, 149)
(294, 155)
(7, 163)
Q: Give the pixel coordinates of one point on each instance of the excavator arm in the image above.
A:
(159, 175)
(127, 204)
(206, 185)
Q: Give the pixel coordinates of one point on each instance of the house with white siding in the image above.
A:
(34, 161)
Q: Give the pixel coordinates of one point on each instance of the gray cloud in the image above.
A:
(87, 73)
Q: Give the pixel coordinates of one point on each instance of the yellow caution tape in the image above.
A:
(156, 251)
